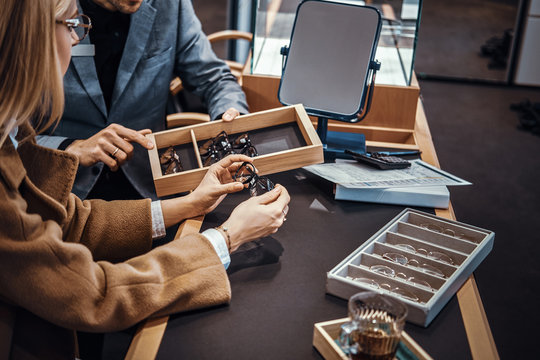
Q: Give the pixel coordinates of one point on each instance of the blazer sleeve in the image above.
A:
(61, 282)
(112, 230)
(201, 71)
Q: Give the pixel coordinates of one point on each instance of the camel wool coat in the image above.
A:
(68, 265)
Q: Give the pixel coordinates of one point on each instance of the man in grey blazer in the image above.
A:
(117, 88)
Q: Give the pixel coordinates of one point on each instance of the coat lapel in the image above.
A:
(43, 165)
(139, 31)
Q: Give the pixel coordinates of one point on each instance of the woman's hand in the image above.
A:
(216, 184)
(112, 146)
(257, 217)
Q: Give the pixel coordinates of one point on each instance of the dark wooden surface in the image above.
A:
(278, 284)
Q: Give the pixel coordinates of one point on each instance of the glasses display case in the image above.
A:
(283, 137)
(419, 258)
(274, 21)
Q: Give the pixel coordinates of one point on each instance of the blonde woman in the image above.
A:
(67, 264)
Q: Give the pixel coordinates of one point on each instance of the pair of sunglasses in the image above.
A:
(170, 162)
(220, 146)
(257, 185)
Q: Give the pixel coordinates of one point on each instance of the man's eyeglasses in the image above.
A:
(78, 26)
(403, 260)
(257, 185)
(243, 145)
(215, 149)
(396, 290)
(170, 162)
(449, 232)
(434, 255)
(220, 146)
(388, 271)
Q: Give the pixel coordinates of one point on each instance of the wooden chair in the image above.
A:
(237, 69)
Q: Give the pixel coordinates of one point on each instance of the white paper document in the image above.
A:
(354, 175)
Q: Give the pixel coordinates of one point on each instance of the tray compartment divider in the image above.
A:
(369, 260)
(395, 239)
(476, 235)
(423, 294)
(380, 249)
(196, 148)
(437, 239)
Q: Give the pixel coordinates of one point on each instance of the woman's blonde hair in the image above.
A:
(31, 88)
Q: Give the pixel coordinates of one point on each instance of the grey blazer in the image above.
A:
(165, 40)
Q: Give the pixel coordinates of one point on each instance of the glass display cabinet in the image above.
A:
(274, 20)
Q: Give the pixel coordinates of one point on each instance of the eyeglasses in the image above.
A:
(257, 185)
(445, 231)
(244, 145)
(215, 149)
(402, 260)
(435, 255)
(170, 162)
(220, 146)
(388, 271)
(396, 290)
(79, 27)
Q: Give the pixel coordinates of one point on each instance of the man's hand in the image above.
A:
(112, 146)
(230, 114)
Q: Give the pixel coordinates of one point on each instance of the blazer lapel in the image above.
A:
(86, 69)
(139, 31)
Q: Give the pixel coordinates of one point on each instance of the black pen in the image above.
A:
(398, 153)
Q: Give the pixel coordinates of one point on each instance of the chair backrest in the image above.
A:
(237, 69)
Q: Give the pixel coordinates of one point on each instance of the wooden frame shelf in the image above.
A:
(389, 123)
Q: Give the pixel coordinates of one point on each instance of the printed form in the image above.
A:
(351, 174)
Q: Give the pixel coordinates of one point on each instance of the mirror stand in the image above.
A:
(351, 141)
(330, 70)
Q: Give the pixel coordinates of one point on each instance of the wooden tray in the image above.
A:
(325, 334)
(286, 140)
(390, 122)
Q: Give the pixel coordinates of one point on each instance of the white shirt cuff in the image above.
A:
(214, 236)
(158, 223)
(218, 242)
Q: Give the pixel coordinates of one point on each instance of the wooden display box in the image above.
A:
(325, 334)
(466, 248)
(390, 122)
(284, 137)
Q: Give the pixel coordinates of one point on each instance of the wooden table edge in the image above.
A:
(146, 342)
(147, 339)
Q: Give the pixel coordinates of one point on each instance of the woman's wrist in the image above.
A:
(177, 209)
(233, 236)
(224, 231)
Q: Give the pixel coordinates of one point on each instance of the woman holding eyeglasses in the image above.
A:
(67, 264)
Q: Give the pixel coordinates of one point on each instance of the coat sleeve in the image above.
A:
(63, 284)
(112, 230)
(201, 71)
